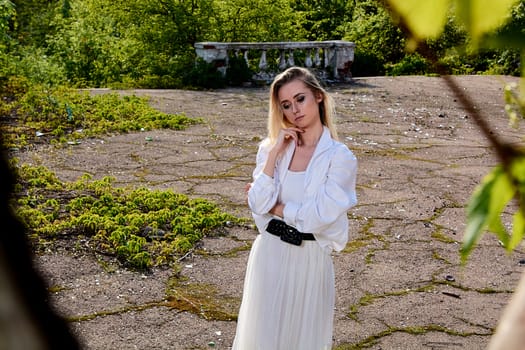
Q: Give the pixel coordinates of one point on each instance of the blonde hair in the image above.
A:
(276, 119)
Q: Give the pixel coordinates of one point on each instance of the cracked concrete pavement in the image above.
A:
(399, 282)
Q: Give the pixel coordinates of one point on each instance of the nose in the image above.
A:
(295, 108)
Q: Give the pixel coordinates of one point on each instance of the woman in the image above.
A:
(303, 186)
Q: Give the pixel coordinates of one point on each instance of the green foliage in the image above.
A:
(514, 103)
(508, 62)
(204, 75)
(140, 227)
(374, 32)
(149, 43)
(7, 12)
(427, 20)
(323, 19)
(366, 64)
(238, 71)
(482, 62)
(453, 37)
(508, 42)
(40, 113)
(36, 66)
(488, 204)
(34, 20)
(411, 64)
(457, 64)
(256, 20)
(92, 47)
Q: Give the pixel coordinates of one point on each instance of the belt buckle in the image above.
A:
(292, 236)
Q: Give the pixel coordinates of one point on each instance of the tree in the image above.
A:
(35, 20)
(148, 43)
(7, 12)
(378, 40)
(89, 42)
(256, 20)
(323, 19)
(481, 20)
(167, 31)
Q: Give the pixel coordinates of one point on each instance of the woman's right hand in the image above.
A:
(285, 137)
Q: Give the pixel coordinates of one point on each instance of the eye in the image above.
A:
(300, 98)
(286, 106)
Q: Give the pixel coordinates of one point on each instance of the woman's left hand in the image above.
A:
(246, 189)
(277, 210)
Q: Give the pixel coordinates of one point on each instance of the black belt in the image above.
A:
(288, 233)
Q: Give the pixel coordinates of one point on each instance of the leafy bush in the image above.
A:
(366, 64)
(374, 32)
(510, 62)
(204, 75)
(37, 67)
(238, 71)
(506, 62)
(411, 64)
(151, 82)
(62, 114)
(140, 227)
(456, 64)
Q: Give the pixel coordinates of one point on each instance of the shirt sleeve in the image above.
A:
(331, 199)
(264, 192)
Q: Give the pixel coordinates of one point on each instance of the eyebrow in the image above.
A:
(294, 96)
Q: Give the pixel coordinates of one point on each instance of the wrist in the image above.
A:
(269, 167)
(278, 210)
(273, 154)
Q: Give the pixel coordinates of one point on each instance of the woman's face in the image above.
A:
(299, 104)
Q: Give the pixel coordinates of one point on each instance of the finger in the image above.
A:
(293, 131)
(296, 129)
(287, 135)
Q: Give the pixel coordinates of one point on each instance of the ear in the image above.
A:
(318, 97)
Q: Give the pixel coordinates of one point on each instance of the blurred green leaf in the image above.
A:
(488, 203)
(484, 209)
(518, 223)
(517, 169)
(518, 230)
(501, 193)
(425, 19)
(483, 16)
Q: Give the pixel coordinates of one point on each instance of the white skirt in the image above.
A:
(288, 298)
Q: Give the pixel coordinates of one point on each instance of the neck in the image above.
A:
(310, 137)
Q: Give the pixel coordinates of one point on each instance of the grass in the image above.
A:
(138, 226)
(59, 115)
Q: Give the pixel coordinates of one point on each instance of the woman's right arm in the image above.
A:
(285, 137)
(263, 192)
(269, 165)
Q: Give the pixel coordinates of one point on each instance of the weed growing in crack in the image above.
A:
(202, 300)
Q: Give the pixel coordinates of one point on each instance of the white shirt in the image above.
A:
(329, 192)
